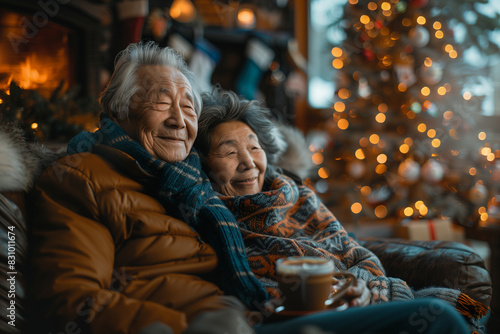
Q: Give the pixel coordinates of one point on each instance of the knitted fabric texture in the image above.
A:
(290, 220)
(184, 188)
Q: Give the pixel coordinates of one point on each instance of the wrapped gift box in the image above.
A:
(430, 229)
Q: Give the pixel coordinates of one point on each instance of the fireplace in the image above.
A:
(48, 42)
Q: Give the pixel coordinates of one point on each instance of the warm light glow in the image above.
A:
(380, 118)
(428, 62)
(436, 25)
(323, 172)
(481, 210)
(481, 135)
(359, 154)
(182, 11)
(384, 31)
(448, 48)
(382, 158)
(439, 34)
(448, 87)
(343, 124)
(491, 157)
(318, 158)
(408, 211)
(406, 22)
(418, 204)
(337, 52)
(431, 133)
(337, 63)
(422, 127)
(408, 141)
(441, 90)
(453, 54)
(380, 169)
(427, 104)
(385, 6)
(472, 171)
(365, 190)
(425, 91)
(344, 93)
(372, 6)
(363, 142)
(1, 101)
(380, 211)
(246, 18)
(339, 106)
(374, 138)
(364, 19)
(467, 95)
(402, 87)
(453, 133)
(455, 152)
(34, 126)
(423, 210)
(353, 2)
(387, 13)
(404, 148)
(382, 107)
(356, 207)
(421, 20)
(448, 115)
(436, 143)
(484, 216)
(485, 151)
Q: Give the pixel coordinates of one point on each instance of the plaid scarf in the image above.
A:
(185, 188)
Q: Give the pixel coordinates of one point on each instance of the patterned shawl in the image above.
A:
(290, 220)
(184, 188)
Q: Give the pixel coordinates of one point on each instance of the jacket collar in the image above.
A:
(122, 161)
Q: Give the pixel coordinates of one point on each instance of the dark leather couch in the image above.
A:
(419, 263)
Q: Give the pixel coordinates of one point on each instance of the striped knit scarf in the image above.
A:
(185, 188)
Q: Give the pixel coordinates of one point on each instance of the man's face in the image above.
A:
(161, 114)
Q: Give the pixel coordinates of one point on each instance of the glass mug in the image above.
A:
(306, 283)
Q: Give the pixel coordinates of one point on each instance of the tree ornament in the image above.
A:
(356, 169)
(368, 54)
(431, 75)
(409, 170)
(419, 36)
(380, 193)
(405, 73)
(478, 193)
(432, 171)
(364, 89)
(417, 3)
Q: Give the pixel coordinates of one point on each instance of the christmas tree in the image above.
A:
(405, 141)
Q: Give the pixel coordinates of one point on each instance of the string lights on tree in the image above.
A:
(404, 141)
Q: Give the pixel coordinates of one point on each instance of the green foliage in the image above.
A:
(60, 116)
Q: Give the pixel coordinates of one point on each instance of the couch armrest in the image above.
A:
(434, 263)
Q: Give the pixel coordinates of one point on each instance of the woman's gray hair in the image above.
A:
(115, 99)
(220, 106)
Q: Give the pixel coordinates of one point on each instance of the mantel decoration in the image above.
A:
(56, 118)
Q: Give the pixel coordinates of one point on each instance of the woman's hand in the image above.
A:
(358, 295)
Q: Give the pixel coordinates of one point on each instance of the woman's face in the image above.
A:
(236, 160)
(161, 115)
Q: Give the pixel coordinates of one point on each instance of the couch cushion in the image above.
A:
(434, 263)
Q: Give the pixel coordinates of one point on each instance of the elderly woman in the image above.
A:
(277, 215)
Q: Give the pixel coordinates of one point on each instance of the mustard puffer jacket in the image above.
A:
(108, 257)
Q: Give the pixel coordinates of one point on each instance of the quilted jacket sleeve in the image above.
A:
(73, 257)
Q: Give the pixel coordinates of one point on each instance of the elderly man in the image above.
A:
(108, 254)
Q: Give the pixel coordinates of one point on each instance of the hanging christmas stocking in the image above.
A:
(131, 16)
(203, 61)
(259, 57)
